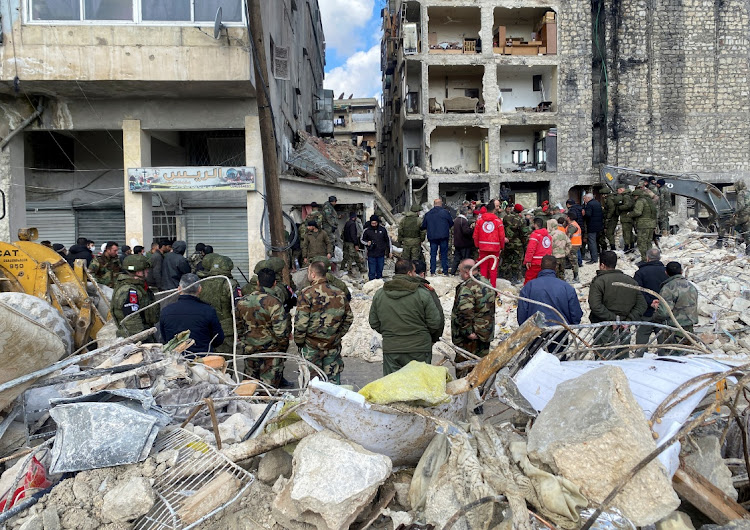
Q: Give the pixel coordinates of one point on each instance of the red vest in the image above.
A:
(489, 233)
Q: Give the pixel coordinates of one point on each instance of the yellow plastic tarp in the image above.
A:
(416, 382)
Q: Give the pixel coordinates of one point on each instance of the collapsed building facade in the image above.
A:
(534, 96)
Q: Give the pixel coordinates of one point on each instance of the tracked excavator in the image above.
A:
(34, 269)
(721, 211)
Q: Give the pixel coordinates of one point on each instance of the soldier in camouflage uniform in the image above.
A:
(644, 214)
(107, 266)
(315, 214)
(473, 315)
(682, 297)
(742, 213)
(323, 318)
(283, 292)
(665, 202)
(265, 329)
(515, 230)
(196, 258)
(130, 295)
(331, 278)
(611, 217)
(215, 292)
(331, 218)
(625, 202)
(351, 237)
(561, 246)
(411, 235)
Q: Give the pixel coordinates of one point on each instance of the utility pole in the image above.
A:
(267, 136)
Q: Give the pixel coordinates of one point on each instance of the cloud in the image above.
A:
(343, 22)
(360, 75)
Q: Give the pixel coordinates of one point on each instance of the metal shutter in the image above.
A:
(225, 229)
(102, 225)
(57, 226)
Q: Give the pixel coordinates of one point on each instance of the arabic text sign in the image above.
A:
(196, 178)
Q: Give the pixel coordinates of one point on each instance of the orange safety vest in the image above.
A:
(576, 239)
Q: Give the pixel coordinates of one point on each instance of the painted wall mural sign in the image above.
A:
(196, 178)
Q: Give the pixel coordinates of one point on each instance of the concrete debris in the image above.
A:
(274, 464)
(675, 521)
(218, 491)
(598, 440)
(329, 159)
(128, 501)
(703, 454)
(332, 482)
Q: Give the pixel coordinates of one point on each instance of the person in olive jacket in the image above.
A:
(405, 314)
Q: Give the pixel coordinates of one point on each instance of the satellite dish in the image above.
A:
(217, 24)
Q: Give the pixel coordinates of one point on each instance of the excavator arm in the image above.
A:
(711, 197)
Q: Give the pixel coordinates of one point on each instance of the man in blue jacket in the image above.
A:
(438, 223)
(193, 314)
(549, 289)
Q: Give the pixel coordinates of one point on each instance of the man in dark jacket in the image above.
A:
(651, 275)
(438, 223)
(174, 266)
(463, 239)
(549, 289)
(154, 276)
(375, 238)
(351, 245)
(191, 313)
(405, 315)
(594, 224)
(79, 251)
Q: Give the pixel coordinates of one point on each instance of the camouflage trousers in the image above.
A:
(269, 371)
(512, 264)
(645, 240)
(412, 253)
(330, 361)
(572, 258)
(664, 222)
(627, 234)
(292, 256)
(352, 257)
(476, 346)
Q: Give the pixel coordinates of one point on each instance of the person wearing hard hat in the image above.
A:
(131, 294)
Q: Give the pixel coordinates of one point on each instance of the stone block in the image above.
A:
(740, 304)
(593, 432)
(332, 482)
(128, 500)
(675, 521)
(219, 490)
(274, 464)
(706, 459)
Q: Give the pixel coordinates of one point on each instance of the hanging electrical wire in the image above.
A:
(293, 232)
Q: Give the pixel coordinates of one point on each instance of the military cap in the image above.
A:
(135, 263)
(221, 263)
(416, 207)
(322, 259)
(332, 198)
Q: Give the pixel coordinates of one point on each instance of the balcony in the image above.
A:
(455, 89)
(527, 89)
(411, 14)
(524, 31)
(528, 148)
(454, 30)
(459, 150)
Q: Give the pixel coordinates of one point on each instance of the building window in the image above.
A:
(135, 11)
(164, 223)
(520, 156)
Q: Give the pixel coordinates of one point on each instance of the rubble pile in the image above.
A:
(352, 159)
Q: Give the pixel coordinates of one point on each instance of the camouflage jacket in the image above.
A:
(330, 217)
(215, 292)
(339, 283)
(410, 231)
(129, 296)
(625, 202)
(665, 201)
(473, 311)
(644, 213)
(195, 261)
(323, 316)
(263, 324)
(316, 244)
(610, 208)
(682, 297)
(743, 204)
(105, 269)
(560, 243)
(514, 231)
(317, 216)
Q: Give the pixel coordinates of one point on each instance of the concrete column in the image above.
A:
(254, 158)
(369, 205)
(15, 189)
(433, 189)
(494, 188)
(136, 147)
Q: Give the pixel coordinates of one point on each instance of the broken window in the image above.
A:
(520, 156)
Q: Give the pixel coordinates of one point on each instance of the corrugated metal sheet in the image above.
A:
(225, 229)
(102, 225)
(57, 226)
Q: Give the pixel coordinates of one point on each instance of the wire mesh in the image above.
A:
(197, 464)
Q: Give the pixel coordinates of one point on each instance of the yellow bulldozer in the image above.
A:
(31, 268)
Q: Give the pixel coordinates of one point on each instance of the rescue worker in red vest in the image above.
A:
(489, 237)
(574, 232)
(540, 245)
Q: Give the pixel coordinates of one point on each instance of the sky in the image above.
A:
(352, 31)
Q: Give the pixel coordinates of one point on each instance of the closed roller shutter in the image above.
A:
(225, 229)
(101, 226)
(57, 226)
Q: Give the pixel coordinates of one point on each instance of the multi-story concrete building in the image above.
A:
(357, 121)
(467, 110)
(90, 90)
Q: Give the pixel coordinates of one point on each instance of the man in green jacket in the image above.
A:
(216, 292)
(317, 243)
(107, 266)
(411, 235)
(682, 297)
(624, 202)
(644, 214)
(473, 315)
(609, 302)
(130, 295)
(405, 315)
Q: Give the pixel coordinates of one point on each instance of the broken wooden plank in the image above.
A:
(707, 498)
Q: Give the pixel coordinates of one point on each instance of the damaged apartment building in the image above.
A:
(534, 96)
(102, 100)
